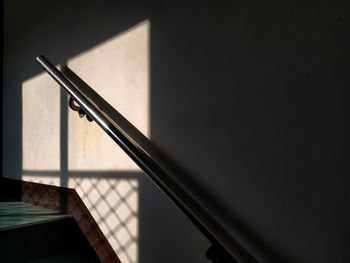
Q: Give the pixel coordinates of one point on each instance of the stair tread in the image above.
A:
(19, 214)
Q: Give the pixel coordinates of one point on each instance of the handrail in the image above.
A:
(224, 247)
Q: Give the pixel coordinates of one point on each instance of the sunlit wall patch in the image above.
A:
(40, 124)
(103, 175)
(42, 179)
(118, 70)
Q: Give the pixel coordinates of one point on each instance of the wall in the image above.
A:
(248, 98)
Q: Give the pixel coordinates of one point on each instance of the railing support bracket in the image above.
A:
(72, 104)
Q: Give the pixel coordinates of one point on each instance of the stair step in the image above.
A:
(30, 233)
(19, 214)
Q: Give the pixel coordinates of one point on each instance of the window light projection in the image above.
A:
(102, 174)
(40, 124)
(118, 70)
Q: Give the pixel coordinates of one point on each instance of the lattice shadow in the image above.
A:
(114, 205)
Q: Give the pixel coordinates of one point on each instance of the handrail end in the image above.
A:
(40, 58)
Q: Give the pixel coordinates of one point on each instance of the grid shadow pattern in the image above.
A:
(113, 202)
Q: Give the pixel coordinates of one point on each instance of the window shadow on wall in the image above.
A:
(61, 149)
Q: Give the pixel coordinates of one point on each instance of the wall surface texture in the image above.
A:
(249, 99)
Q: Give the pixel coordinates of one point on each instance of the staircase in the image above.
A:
(30, 233)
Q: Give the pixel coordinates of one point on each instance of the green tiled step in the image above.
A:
(16, 214)
(34, 234)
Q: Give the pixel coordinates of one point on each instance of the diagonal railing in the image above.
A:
(224, 248)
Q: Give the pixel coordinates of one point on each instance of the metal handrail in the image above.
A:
(224, 247)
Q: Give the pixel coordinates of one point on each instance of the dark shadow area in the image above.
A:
(34, 242)
(1, 75)
(64, 139)
(250, 107)
(10, 190)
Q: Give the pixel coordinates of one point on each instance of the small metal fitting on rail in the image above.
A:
(72, 104)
